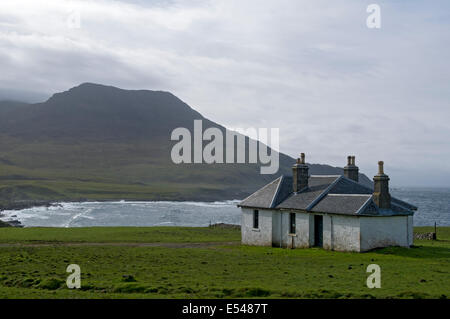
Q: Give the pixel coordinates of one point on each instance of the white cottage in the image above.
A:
(330, 211)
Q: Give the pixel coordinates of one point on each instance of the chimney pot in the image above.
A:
(300, 173)
(351, 171)
(380, 168)
(381, 195)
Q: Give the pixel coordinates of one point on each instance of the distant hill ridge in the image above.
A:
(97, 142)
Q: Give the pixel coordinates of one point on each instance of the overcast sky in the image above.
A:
(312, 68)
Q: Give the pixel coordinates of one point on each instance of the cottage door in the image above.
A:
(318, 231)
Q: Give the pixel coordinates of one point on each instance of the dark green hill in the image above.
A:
(100, 142)
(96, 112)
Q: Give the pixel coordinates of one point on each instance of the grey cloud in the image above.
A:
(311, 68)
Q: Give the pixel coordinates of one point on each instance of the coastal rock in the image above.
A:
(223, 225)
(14, 223)
(4, 224)
(11, 223)
(18, 205)
(425, 236)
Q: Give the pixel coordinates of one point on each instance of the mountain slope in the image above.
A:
(101, 142)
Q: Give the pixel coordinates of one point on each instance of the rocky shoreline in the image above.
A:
(10, 223)
(24, 204)
(18, 206)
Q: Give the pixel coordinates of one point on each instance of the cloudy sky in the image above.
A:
(311, 68)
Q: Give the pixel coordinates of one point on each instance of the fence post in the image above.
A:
(435, 232)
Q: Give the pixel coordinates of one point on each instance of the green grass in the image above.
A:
(118, 234)
(214, 271)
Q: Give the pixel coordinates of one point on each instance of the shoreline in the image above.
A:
(11, 219)
(19, 205)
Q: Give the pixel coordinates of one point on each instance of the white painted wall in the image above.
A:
(327, 232)
(256, 237)
(346, 233)
(385, 231)
(276, 230)
(280, 229)
(301, 237)
(341, 233)
(410, 230)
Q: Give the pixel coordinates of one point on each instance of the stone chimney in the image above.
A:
(300, 174)
(381, 194)
(351, 170)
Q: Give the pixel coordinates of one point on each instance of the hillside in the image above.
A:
(96, 142)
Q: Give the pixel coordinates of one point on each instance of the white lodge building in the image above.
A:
(334, 212)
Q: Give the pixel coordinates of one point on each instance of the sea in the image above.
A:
(433, 207)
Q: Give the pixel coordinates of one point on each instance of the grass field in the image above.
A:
(208, 263)
(119, 234)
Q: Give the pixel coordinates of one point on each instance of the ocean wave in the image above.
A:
(76, 216)
(432, 207)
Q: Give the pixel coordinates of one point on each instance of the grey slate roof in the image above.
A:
(332, 194)
(348, 186)
(263, 197)
(341, 204)
(284, 190)
(317, 185)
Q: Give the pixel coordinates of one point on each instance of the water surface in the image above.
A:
(433, 203)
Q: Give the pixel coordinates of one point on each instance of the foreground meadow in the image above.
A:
(172, 262)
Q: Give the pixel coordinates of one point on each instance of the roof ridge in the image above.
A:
(277, 191)
(365, 205)
(323, 194)
(357, 183)
(400, 203)
(265, 186)
(349, 194)
(336, 175)
(403, 204)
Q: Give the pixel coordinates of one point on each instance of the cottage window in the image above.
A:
(292, 223)
(255, 219)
